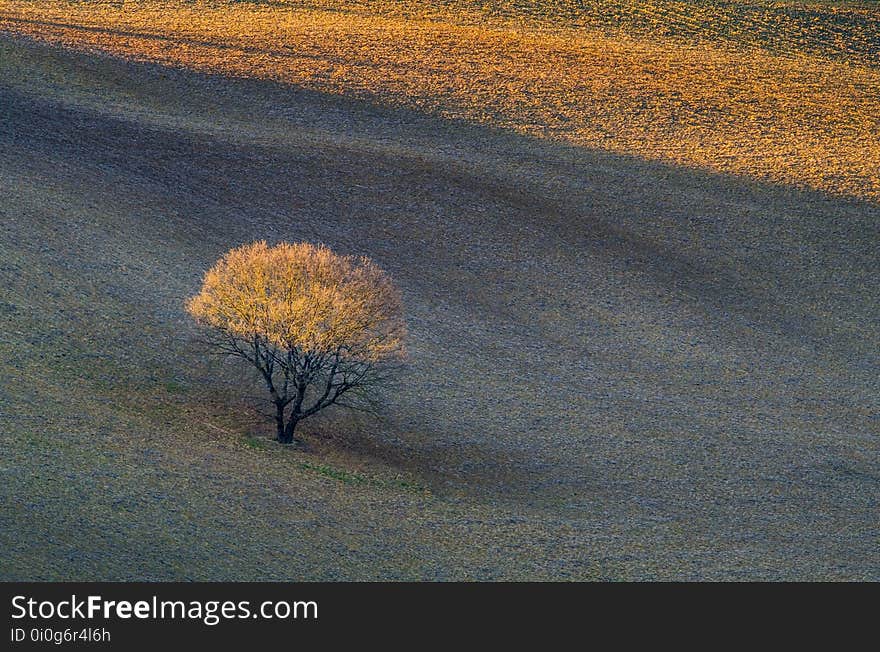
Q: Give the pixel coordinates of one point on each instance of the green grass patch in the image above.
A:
(337, 474)
(255, 443)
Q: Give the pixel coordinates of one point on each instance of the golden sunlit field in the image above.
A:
(637, 244)
(804, 119)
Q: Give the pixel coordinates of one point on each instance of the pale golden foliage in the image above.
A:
(303, 298)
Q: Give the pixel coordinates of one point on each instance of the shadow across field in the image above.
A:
(675, 369)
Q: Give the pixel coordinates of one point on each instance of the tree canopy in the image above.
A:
(321, 328)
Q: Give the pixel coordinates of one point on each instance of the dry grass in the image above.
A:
(619, 369)
(794, 116)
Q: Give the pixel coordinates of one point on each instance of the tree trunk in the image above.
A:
(287, 436)
(296, 414)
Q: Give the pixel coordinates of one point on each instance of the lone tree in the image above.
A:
(321, 329)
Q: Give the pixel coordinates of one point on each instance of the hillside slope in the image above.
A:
(620, 368)
(794, 117)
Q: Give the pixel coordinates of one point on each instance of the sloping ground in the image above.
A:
(788, 117)
(847, 30)
(620, 369)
